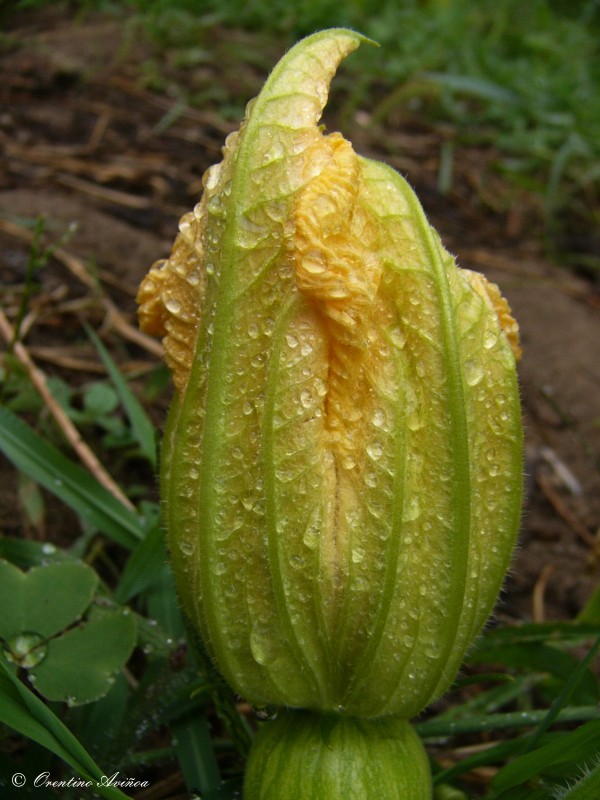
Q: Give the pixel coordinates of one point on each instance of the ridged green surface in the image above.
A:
(304, 756)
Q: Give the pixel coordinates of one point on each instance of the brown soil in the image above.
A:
(86, 142)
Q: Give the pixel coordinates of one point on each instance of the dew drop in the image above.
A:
(306, 398)
(312, 534)
(371, 479)
(431, 650)
(375, 450)
(490, 337)
(314, 262)
(320, 387)
(211, 177)
(474, 372)
(379, 418)
(412, 510)
(291, 340)
(173, 305)
(248, 501)
(397, 337)
(274, 153)
(357, 555)
(262, 645)
(215, 205)
(187, 548)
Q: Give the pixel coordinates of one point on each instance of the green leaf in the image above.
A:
(103, 645)
(437, 727)
(533, 656)
(474, 87)
(21, 710)
(45, 600)
(26, 553)
(68, 481)
(32, 501)
(568, 691)
(100, 399)
(193, 746)
(563, 753)
(142, 426)
(144, 566)
(163, 605)
(545, 632)
(491, 755)
(99, 725)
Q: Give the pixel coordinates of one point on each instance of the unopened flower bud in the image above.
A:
(342, 463)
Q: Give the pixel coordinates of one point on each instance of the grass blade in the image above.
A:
(562, 754)
(436, 727)
(144, 566)
(141, 425)
(193, 747)
(21, 710)
(73, 485)
(563, 698)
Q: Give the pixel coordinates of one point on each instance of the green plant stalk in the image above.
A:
(341, 474)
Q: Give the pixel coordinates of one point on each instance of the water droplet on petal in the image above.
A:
(173, 305)
(375, 450)
(412, 510)
(490, 337)
(474, 372)
(306, 398)
(379, 418)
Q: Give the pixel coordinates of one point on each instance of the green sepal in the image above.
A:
(308, 756)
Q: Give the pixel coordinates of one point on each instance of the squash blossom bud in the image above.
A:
(342, 462)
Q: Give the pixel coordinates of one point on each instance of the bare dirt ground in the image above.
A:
(86, 140)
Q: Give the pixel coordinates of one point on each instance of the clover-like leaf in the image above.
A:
(45, 600)
(80, 665)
